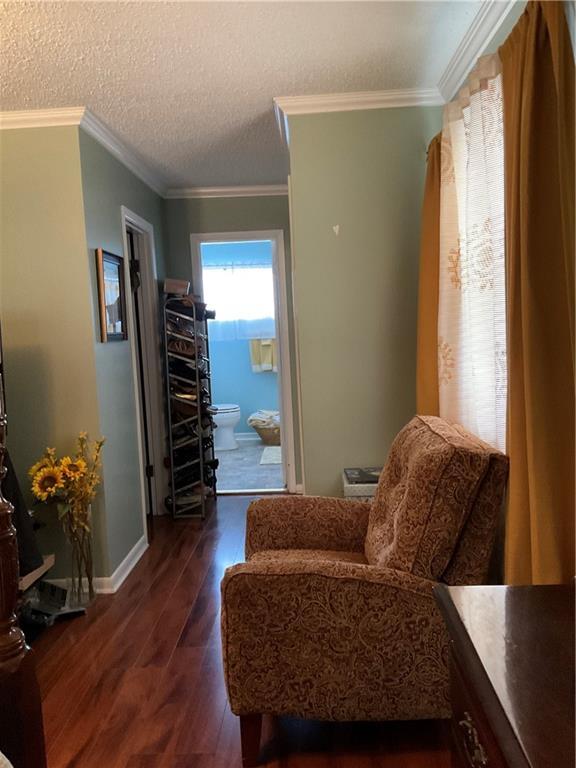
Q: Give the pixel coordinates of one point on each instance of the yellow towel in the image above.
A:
(263, 355)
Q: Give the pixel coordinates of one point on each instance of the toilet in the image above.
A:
(226, 416)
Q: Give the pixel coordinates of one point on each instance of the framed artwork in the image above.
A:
(111, 296)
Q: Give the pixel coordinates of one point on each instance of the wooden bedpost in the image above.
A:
(21, 727)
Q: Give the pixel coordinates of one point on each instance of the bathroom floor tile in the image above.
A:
(240, 470)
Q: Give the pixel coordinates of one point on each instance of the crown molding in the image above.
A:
(100, 131)
(87, 120)
(359, 100)
(288, 106)
(41, 118)
(264, 190)
(479, 34)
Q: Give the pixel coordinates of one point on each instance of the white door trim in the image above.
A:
(301, 488)
(281, 304)
(151, 354)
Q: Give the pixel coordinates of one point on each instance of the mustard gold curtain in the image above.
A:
(427, 398)
(538, 95)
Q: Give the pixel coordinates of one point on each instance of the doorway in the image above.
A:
(241, 276)
(143, 323)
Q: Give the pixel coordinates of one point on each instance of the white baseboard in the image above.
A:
(108, 585)
(123, 570)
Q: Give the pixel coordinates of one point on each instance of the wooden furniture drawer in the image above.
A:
(511, 676)
(473, 742)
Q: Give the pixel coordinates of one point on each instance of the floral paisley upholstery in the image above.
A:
(332, 641)
(315, 555)
(424, 496)
(471, 558)
(306, 522)
(310, 628)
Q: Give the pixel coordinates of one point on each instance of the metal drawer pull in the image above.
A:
(475, 752)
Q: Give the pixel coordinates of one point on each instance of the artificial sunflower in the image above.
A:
(69, 484)
(44, 462)
(73, 468)
(47, 482)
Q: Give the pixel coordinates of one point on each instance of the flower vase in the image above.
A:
(77, 527)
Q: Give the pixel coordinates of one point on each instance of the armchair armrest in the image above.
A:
(332, 640)
(306, 522)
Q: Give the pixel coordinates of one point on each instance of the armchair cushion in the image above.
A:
(294, 555)
(306, 522)
(332, 640)
(424, 496)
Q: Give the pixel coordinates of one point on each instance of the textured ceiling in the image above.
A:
(189, 86)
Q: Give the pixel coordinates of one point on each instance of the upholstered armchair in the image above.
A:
(332, 615)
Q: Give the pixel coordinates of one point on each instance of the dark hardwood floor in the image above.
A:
(137, 683)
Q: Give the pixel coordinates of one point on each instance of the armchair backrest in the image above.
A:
(471, 557)
(436, 508)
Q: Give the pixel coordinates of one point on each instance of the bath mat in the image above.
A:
(272, 454)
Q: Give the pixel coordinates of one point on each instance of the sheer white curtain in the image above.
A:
(472, 314)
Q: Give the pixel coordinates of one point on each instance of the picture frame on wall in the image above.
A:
(111, 296)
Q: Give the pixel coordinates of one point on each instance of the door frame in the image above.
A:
(151, 345)
(276, 236)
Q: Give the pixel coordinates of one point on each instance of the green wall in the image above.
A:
(46, 310)
(220, 214)
(356, 292)
(107, 185)
(231, 214)
(61, 194)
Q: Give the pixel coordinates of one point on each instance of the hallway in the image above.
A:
(138, 683)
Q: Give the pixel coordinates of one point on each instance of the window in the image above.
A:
(239, 285)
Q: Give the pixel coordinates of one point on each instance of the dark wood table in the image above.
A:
(511, 675)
